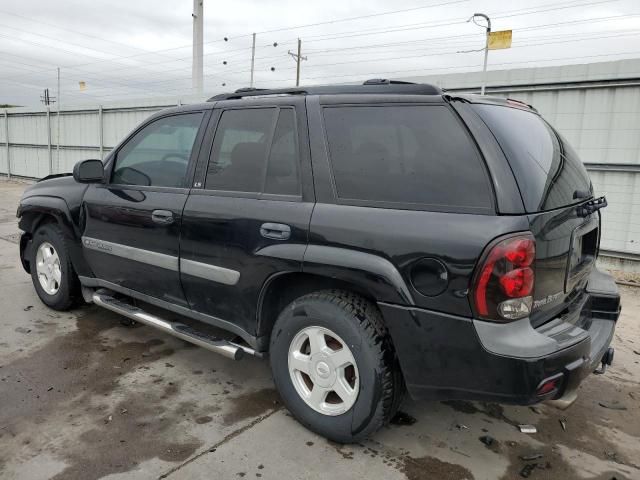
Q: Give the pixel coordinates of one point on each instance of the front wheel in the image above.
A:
(52, 274)
(334, 365)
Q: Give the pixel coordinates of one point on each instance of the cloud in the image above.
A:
(141, 49)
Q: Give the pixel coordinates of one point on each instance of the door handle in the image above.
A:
(275, 231)
(162, 217)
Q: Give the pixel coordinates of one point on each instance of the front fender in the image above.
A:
(373, 273)
(33, 211)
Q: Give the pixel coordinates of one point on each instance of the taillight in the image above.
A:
(503, 285)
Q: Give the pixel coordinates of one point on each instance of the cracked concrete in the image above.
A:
(84, 397)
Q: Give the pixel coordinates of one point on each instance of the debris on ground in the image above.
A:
(612, 406)
(460, 426)
(528, 428)
(563, 423)
(528, 469)
(535, 410)
(402, 418)
(531, 456)
(108, 419)
(49, 389)
(27, 308)
(487, 440)
(123, 411)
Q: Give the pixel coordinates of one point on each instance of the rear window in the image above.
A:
(403, 156)
(548, 171)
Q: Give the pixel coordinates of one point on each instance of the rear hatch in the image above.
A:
(557, 193)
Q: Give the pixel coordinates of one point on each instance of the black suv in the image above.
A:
(370, 239)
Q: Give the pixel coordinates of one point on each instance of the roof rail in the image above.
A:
(386, 81)
(373, 86)
(254, 92)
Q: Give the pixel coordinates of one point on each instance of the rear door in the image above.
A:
(132, 230)
(249, 216)
(554, 185)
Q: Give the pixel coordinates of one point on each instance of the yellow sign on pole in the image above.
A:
(500, 40)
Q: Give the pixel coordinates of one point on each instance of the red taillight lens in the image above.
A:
(517, 283)
(503, 286)
(521, 252)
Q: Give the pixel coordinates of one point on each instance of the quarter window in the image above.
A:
(405, 155)
(251, 154)
(158, 155)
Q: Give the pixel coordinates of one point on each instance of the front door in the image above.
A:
(132, 230)
(250, 219)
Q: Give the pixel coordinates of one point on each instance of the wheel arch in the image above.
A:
(284, 287)
(36, 211)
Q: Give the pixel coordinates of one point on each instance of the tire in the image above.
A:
(64, 292)
(342, 317)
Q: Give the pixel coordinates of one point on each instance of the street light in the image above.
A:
(486, 47)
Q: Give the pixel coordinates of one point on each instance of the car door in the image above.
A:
(131, 237)
(250, 218)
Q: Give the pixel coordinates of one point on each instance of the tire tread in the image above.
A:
(377, 336)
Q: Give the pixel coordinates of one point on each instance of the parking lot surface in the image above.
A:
(83, 396)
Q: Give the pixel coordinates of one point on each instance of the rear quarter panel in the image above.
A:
(403, 237)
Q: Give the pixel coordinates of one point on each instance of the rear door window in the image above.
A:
(256, 151)
(405, 156)
(548, 171)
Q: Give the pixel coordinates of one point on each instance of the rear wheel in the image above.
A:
(52, 274)
(334, 365)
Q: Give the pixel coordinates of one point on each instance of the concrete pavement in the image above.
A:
(84, 397)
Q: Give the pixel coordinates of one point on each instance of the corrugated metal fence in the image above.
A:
(36, 149)
(600, 117)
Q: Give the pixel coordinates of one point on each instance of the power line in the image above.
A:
(445, 23)
(146, 85)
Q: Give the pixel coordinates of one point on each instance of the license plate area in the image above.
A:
(582, 257)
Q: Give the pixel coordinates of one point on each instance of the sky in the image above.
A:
(141, 49)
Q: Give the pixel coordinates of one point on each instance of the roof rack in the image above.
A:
(373, 86)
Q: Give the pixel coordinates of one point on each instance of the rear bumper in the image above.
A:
(449, 357)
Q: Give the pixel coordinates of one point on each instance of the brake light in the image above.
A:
(503, 287)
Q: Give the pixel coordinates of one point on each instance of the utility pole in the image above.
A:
(486, 48)
(253, 59)
(46, 98)
(298, 58)
(198, 38)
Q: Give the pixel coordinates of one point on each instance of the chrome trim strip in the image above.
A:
(209, 272)
(132, 253)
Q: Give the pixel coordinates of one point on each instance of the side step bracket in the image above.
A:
(180, 330)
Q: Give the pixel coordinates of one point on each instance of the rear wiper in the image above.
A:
(581, 194)
(591, 206)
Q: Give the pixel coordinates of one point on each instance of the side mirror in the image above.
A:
(88, 171)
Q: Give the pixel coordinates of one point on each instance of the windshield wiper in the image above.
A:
(591, 206)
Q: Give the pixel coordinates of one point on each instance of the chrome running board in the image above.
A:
(180, 330)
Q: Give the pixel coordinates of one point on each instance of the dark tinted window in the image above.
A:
(282, 170)
(244, 147)
(405, 154)
(547, 169)
(158, 155)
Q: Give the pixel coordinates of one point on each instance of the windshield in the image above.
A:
(548, 170)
